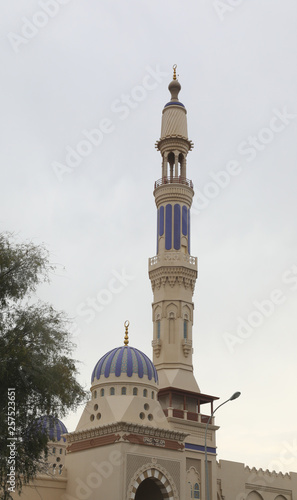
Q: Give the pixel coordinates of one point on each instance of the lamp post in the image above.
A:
(234, 396)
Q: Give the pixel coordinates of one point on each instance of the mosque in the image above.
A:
(147, 432)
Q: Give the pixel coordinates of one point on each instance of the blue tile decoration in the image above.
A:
(176, 226)
(51, 426)
(168, 227)
(126, 360)
(161, 221)
(184, 220)
(189, 233)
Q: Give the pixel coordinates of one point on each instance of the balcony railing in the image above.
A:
(170, 257)
(186, 415)
(174, 180)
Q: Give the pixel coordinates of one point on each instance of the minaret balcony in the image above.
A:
(174, 180)
(172, 258)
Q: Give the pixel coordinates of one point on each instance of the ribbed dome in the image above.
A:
(125, 360)
(53, 427)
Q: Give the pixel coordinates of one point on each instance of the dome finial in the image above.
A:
(174, 71)
(126, 338)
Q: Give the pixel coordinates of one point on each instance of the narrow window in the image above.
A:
(158, 329)
(185, 329)
(112, 391)
(145, 393)
(124, 391)
(153, 395)
(61, 451)
(54, 450)
(95, 394)
(135, 391)
(102, 392)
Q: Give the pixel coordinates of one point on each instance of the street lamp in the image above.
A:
(234, 396)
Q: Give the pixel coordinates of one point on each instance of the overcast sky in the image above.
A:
(71, 67)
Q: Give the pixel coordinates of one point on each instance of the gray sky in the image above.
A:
(106, 66)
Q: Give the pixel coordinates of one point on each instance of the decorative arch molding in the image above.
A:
(187, 311)
(254, 495)
(171, 310)
(280, 497)
(158, 474)
(193, 484)
(157, 312)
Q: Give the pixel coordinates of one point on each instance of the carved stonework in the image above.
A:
(157, 344)
(187, 346)
(172, 275)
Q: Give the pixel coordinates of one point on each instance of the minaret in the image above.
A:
(173, 271)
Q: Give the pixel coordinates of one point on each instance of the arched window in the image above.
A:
(95, 394)
(124, 391)
(54, 450)
(112, 391)
(153, 395)
(145, 393)
(60, 468)
(135, 391)
(61, 451)
(102, 392)
(196, 491)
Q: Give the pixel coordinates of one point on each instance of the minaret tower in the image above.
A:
(173, 271)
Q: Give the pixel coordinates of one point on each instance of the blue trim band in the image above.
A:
(174, 103)
(198, 447)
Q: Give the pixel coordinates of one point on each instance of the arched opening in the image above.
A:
(149, 489)
(171, 161)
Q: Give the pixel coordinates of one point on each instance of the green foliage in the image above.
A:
(35, 359)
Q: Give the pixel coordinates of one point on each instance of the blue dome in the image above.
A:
(125, 360)
(52, 426)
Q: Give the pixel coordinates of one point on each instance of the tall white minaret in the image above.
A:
(173, 271)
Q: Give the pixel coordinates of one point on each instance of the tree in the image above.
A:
(37, 374)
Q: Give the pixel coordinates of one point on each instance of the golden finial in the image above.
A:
(174, 71)
(126, 339)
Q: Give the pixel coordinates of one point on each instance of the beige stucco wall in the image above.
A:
(237, 481)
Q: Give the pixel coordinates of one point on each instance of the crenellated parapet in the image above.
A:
(242, 482)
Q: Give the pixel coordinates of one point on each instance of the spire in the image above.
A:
(126, 338)
(174, 71)
(174, 87)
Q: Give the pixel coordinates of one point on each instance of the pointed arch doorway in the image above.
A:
(149, 489)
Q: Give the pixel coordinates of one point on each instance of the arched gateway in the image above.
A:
(151, 483)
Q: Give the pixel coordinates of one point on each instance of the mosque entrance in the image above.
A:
(149, 490)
